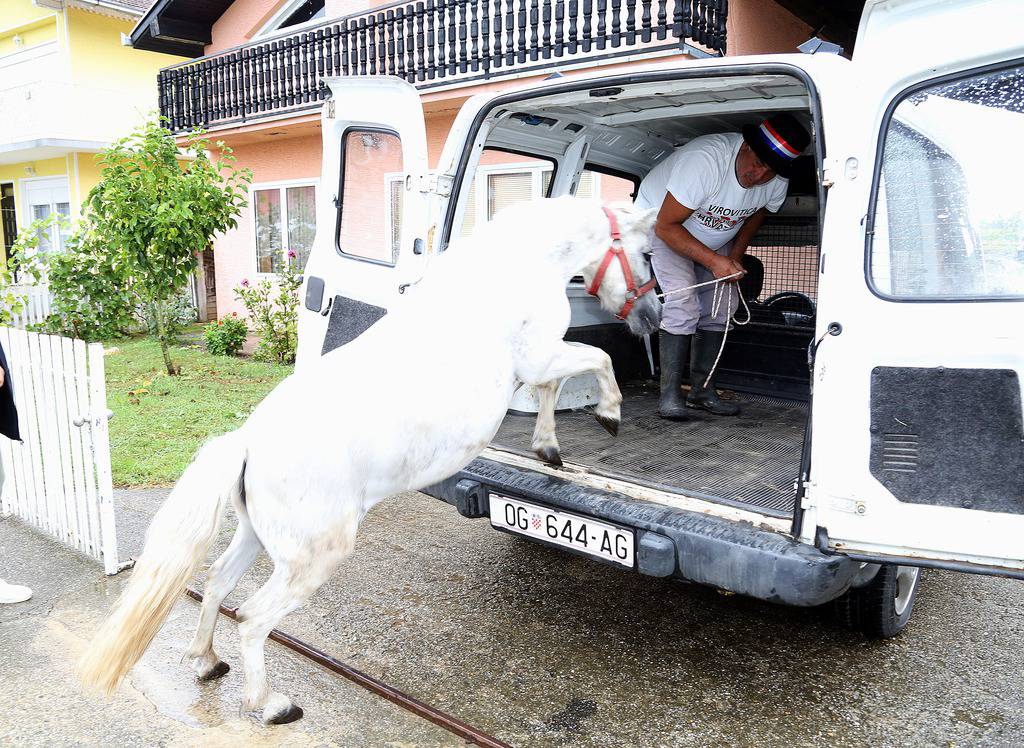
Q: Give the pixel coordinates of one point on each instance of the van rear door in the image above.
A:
(372, 212)
(917, 442)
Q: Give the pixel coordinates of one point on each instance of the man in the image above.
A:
(9, 593)
(712, 194)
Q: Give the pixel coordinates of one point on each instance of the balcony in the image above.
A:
(432, 44)
(46, 118)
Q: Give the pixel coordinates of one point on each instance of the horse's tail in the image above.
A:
(176, 544)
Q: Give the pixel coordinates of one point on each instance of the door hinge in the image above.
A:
(440, 184)
(807, 498)
(829, 171)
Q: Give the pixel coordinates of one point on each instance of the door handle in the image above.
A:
(417, 246)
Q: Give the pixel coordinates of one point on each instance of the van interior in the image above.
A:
(600, 142)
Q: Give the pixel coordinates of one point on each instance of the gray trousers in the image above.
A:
(686, 312)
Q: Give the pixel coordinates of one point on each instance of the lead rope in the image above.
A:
(716, 306)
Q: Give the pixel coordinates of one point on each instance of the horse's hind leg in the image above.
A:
(295, 578)
(545, 443)
(223, 576)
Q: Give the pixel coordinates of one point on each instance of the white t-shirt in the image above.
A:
(702, 175)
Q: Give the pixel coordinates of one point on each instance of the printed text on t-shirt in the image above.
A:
(720, 218)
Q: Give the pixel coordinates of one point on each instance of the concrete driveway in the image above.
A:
(536, 647)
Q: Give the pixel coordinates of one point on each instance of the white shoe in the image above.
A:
(13, 593)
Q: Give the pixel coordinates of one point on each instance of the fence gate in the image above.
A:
(58, 477)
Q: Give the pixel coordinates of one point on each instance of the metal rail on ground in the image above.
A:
(452, 724)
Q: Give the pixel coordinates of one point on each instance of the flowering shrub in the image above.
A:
(225, 336)
(273, 311)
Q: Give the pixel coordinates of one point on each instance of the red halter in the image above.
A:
(615, 250)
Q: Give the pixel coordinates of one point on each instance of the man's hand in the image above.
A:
(723, 267)
(3, 374)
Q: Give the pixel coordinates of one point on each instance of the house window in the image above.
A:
(45, 196)
(503, 179)
(293, 13)
(285, 226)
(307, 10)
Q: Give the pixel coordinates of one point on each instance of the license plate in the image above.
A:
(583, 534)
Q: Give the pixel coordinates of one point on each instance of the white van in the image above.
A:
(880, 373)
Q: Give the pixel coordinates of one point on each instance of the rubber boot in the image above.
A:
(706, 345)
(674, 350)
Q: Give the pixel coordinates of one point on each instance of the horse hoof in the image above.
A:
(550, 455)
(292, 713)
(611, 425)
(217, 671)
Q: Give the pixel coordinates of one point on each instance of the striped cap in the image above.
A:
(777, 141)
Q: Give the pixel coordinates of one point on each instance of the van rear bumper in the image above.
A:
(734, 556)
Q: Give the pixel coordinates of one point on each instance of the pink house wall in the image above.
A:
(243, 20)
(235, 251)
(761, 27)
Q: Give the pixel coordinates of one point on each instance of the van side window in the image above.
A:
(369, 224)
(946, 226)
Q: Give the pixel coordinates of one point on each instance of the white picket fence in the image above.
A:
(58, 478)
(37, 304)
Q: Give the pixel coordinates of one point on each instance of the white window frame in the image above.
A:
(25, 185)
(270, 28)
(519, 167)
(281, 186)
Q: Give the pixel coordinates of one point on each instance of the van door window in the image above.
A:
(945, 224)
(372, 186)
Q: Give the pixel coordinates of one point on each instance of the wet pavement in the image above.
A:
(534, 646)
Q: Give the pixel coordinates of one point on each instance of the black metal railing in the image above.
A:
(430, 43)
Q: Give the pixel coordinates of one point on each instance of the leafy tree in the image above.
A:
(14, 272)
(89, 299)
(155, 208)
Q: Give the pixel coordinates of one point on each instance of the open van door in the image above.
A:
(372, 212)
(917, 442)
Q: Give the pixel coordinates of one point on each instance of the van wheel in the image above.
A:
(880, 609)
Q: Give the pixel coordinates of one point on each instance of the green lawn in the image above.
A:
(160, 421)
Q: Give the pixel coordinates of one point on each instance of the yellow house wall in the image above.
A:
(51, 167)
(98, 58)
(88, 174)
(33, 24)
(81, 169)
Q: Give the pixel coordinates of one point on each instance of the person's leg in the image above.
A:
(11, 593)
(678, 322)
(717, 304)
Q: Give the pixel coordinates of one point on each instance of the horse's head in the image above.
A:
(620, 275)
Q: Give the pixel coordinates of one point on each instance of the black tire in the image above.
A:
(881, 609)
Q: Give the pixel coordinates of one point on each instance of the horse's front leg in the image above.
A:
(547, 364)
(545, 443)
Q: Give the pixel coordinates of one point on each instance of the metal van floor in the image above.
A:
(751, 459)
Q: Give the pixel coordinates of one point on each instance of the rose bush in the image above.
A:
(272, 307)
(225, 336)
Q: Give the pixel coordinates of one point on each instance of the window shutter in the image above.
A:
(504, 190)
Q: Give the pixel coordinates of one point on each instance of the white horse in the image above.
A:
(407, 404)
